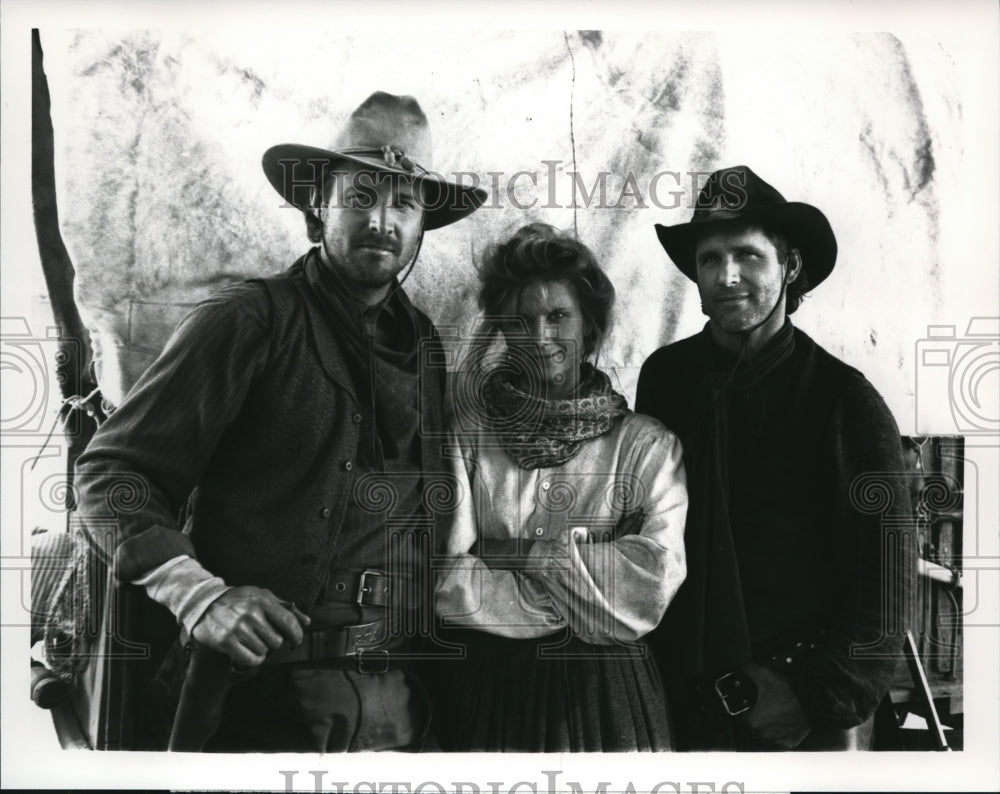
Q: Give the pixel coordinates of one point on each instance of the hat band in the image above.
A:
(704, 214)
(392, 156)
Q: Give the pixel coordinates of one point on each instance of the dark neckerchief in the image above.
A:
(392, 324)
(714, 610)
(381, 346)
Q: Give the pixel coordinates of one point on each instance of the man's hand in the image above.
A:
(246, 623)
(778, 721)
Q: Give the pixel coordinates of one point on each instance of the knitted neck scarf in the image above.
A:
(536, 432)
(712, 606)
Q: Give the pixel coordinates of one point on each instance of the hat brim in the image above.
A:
(444, 202)
(805, 226)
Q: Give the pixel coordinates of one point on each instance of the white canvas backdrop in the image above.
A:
(159, 137)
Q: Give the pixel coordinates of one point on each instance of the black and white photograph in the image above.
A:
(495, 399)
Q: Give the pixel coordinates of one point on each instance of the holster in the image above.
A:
(209, 677)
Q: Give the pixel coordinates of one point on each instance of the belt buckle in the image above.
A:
(363, 586)
(746, 703)
(379, 664)
(314, 645)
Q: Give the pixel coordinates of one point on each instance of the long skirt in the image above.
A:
(550, 695)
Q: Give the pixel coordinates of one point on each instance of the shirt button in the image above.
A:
(357, 417)
(348, 465)
(325, 512)
(546, 485)
(539, 531)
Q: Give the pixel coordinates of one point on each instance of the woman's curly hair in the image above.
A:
(538, 252)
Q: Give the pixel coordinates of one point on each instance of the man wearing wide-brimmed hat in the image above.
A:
(295, 413)
(787, 631)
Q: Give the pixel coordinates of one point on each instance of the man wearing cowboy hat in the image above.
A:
(787, 631)
(291, 416)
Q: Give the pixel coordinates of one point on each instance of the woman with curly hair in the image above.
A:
(567, 541)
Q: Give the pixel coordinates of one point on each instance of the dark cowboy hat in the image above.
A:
(387, 133)
(738, 195)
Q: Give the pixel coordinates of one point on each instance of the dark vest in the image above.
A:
(270, 507)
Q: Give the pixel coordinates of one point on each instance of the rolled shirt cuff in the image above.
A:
(151, 548)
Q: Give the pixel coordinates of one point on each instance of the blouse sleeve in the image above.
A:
(616, 591)
(470, 594)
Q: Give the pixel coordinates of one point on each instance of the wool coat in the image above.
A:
(248, 423)
(821, 521)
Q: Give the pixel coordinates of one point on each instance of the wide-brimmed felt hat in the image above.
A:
(737, 195)
(386, 133)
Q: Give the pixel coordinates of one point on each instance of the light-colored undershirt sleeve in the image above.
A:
(184, 587)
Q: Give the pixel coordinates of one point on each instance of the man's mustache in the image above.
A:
(723, 295)
(377, 241)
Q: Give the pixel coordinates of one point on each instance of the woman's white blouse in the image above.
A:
(609, 590)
